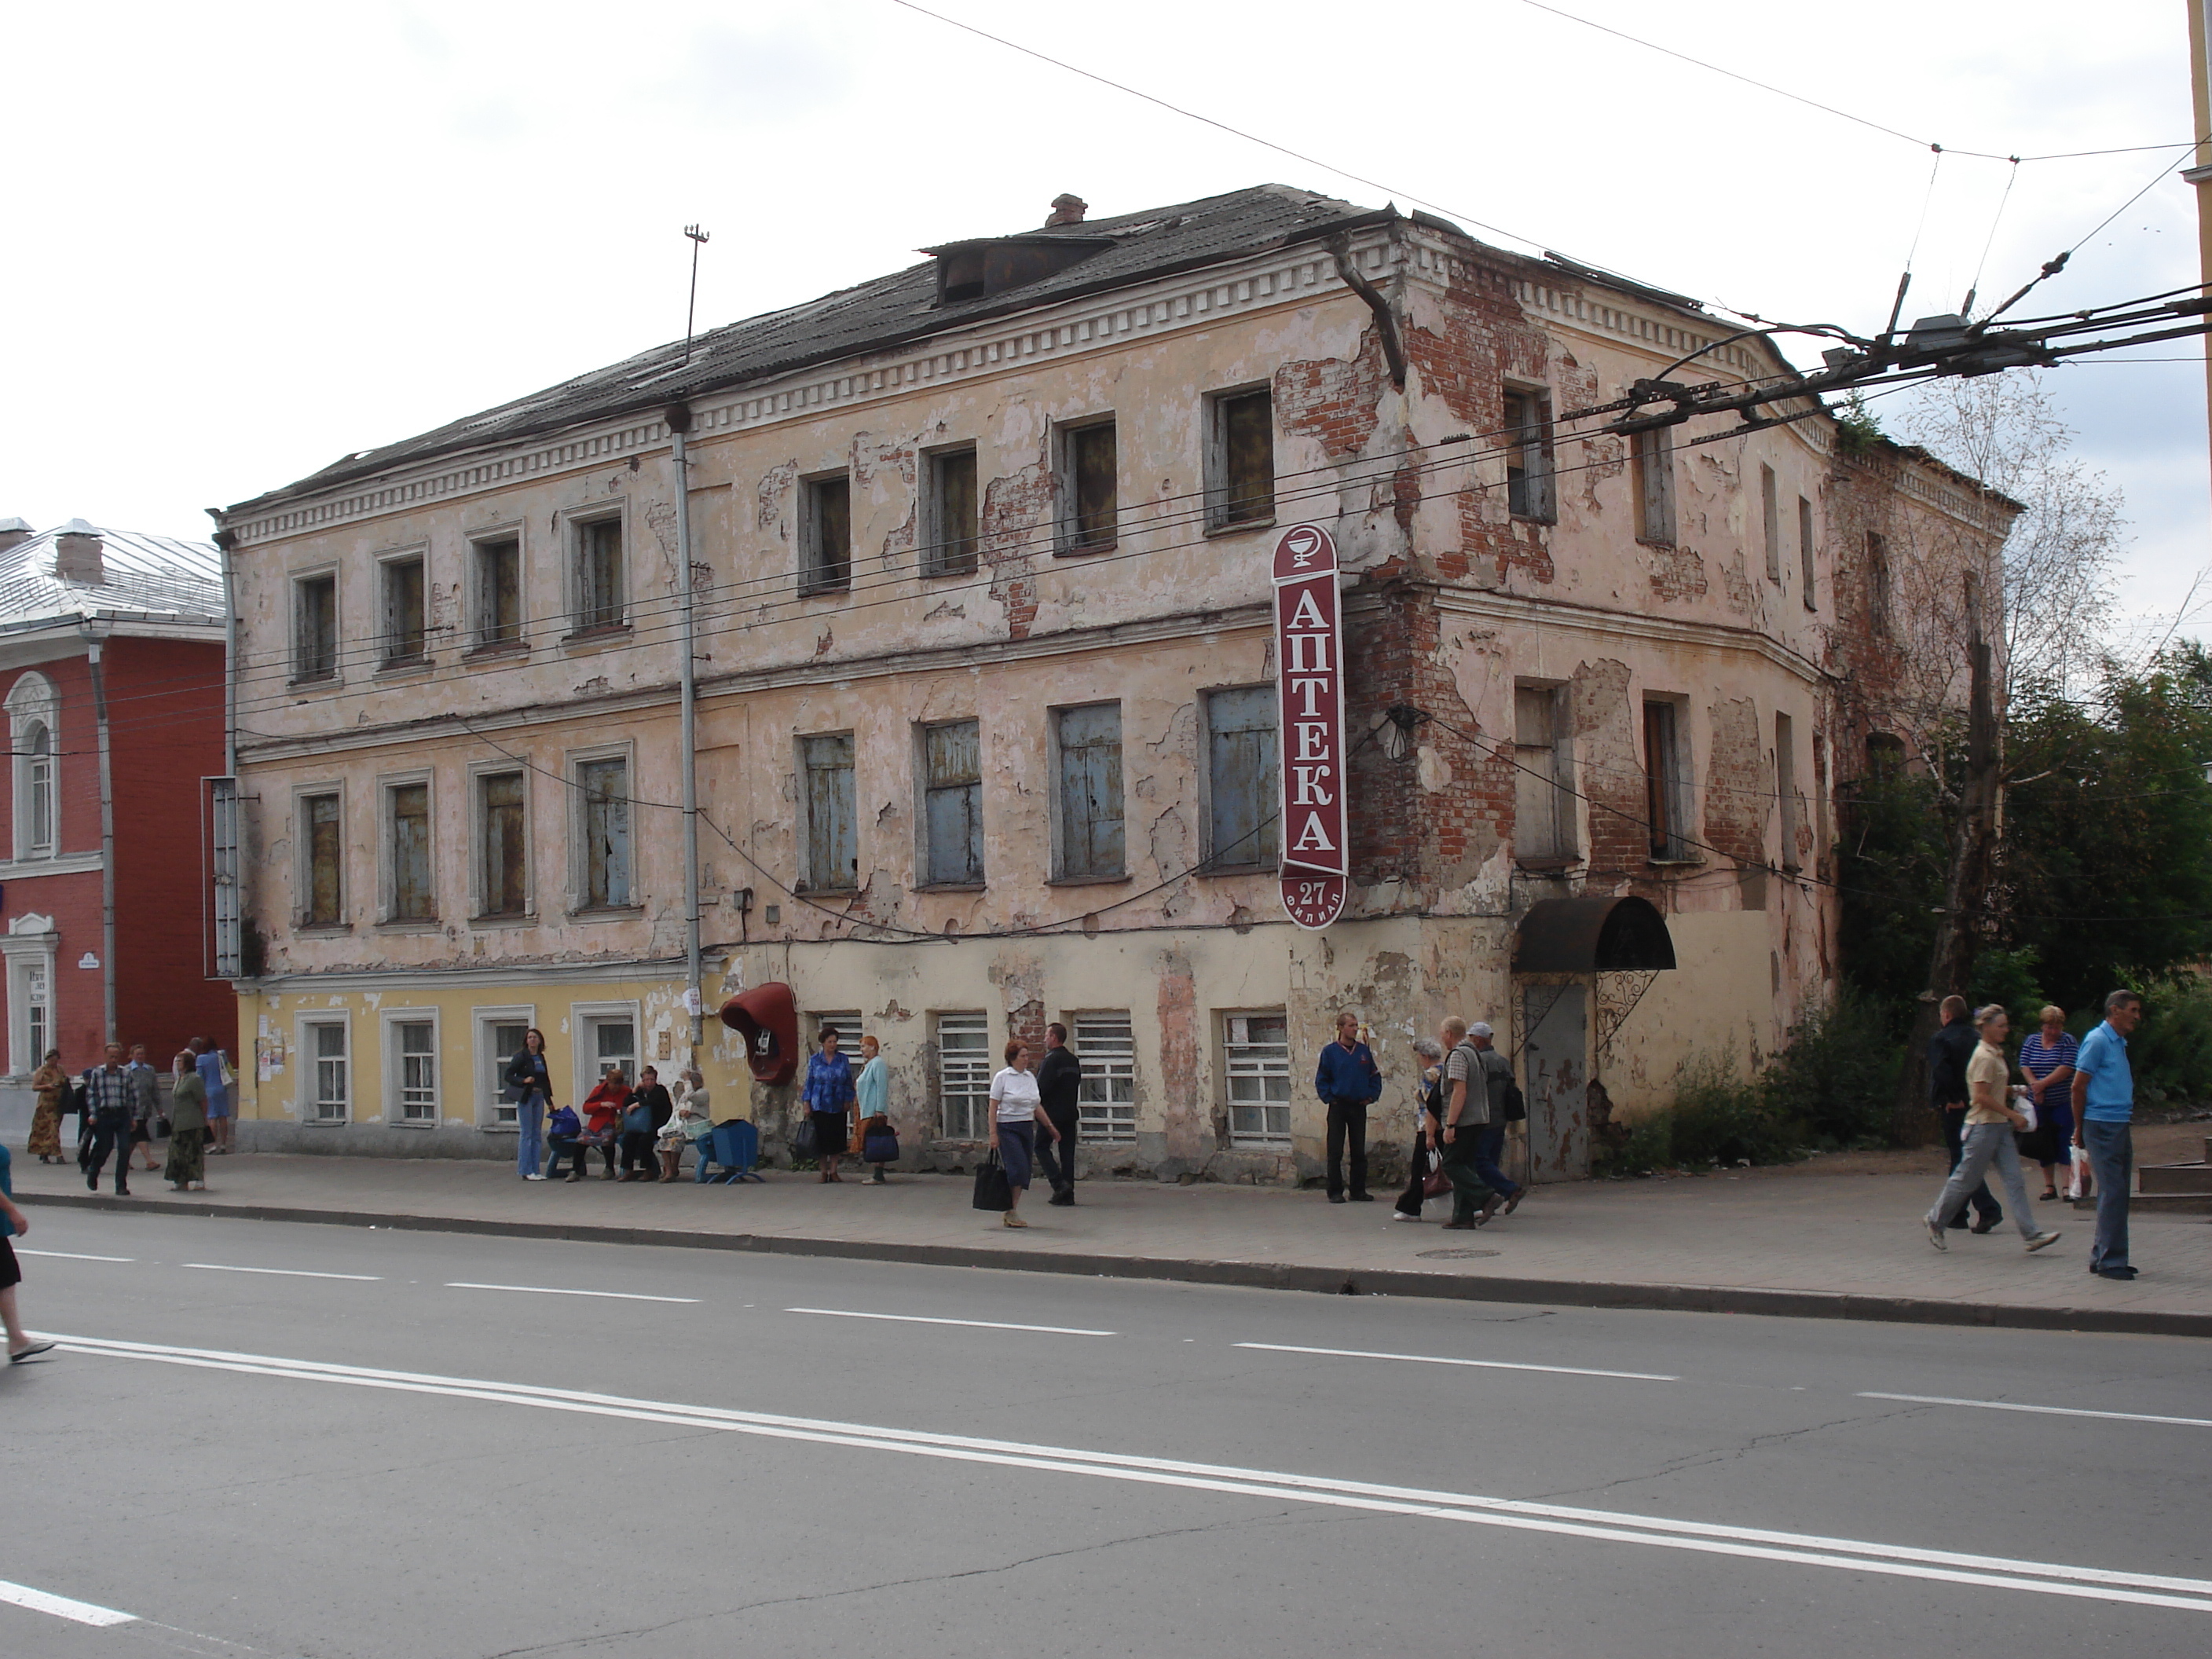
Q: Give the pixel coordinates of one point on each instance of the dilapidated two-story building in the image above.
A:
(985, 719)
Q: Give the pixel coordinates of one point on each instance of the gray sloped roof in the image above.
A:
(155, 578)
(876, 314)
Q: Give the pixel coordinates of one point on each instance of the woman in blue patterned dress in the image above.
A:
(828, 1096)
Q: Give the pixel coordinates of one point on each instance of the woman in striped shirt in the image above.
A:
(2047, 1059)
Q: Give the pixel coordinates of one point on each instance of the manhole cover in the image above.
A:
(1452, 1255)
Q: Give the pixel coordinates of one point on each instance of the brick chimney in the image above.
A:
(13, 533)
(1067, 209)
(78, 554)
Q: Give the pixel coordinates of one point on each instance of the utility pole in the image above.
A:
(699, 239)
(679, 416)
(2200, 175)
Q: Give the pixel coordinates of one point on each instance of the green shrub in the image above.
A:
(2170, 1053)
(1716, 1117)
(1837, 1076)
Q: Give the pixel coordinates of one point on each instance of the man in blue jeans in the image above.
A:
(1489, 1139)
(2104, 1111)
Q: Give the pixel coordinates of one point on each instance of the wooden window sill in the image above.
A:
(595, 639)
(1084, 549)
(1242, 527)
(521, 919)
(321, 929)
(498, 651)
(606, 912)
(949, 887)
(408, 925)
(1089, 881)
(401, 667)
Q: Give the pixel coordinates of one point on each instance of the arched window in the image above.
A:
(32, 710)
(38, 790)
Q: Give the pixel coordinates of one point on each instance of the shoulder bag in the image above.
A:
(879, 1142)
(805, 1143)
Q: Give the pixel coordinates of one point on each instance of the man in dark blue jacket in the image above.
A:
(1347, 1079)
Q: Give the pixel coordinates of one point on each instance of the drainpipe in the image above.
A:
(93, 643)
(679, 416)
(224, 540)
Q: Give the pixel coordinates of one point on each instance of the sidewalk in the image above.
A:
(1835, 1238)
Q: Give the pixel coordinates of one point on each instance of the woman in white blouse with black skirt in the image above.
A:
(1016, 1113)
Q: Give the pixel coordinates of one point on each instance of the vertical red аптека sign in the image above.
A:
(1309, 707)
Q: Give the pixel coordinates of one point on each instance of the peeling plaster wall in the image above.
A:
(1450, 601)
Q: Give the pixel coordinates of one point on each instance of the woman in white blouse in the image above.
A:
(1016, 1111)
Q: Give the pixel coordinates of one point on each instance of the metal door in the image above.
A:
(1554, 1067)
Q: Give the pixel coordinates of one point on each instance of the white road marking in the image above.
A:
(83, 1612)
(922, 1319)
(71, 1255)
(1801, 1549)
(557, 1290)
(282, 1273)
(1439, 1360)
(2052, 1410)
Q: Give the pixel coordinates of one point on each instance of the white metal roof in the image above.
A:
(152, 579)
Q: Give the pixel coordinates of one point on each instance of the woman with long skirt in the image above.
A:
(52, 1084)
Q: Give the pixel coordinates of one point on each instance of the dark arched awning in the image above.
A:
(1600, 935)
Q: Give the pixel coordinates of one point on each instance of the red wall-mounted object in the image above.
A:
(767, 1018)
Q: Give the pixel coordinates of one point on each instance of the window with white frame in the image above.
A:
(413, 1060)
(500, 1034)
(329, 1067)
(963, 1075)
(38, 1012)
(28, 949)
(32, 710)
(1255, 1061)
(848, 1021)
(606, 1042)
(1106, 1043)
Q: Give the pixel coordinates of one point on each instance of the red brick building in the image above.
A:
(111, 680)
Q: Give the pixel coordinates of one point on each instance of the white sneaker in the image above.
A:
(2039, 1241)
(1399, 1215)
(533, 1178)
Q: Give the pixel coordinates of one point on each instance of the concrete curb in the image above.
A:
(1254, 1276)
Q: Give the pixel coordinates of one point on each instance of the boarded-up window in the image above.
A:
(320, 830)
(1106, 1105)
(1090, 791)
(1543, 779)
(1770, 508)
(1666, 775)
(1805, 552)
(498, 591)
(603, 789)
(1244, 817)
(826, 536)
(412, 896)
(1091, 486)
(952, 521)
(332, 1082)
(600, 599)
(315, 627)
(963, 1074)
(953, 804)
(504, 841)
(1245, 458)
(1877, 581)
(1785, 788)
(1654, 455)
(1529, 488)
(1255, 1056)
(402, 611)
(833, 852)
(416, 1043)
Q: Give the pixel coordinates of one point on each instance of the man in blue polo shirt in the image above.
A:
(2103, 1109)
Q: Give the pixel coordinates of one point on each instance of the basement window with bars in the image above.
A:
(1106, 1043)
(1255, 1061)
(963, 1075)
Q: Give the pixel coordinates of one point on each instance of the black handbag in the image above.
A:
(805, 1143)
(1512, 1105)
(161, 1128)
(993, 1190)
(880, 1146)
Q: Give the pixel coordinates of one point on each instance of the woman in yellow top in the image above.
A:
(1991, 1121)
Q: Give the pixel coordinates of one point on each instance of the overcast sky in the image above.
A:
(243, 240)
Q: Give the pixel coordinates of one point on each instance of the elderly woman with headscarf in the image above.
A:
(52, 1084)
(1428, 1118)
(186, 1170)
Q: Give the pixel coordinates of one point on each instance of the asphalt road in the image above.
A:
(265, 1439)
